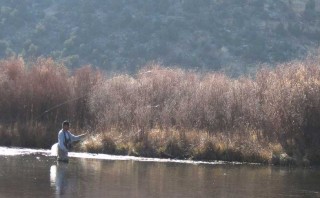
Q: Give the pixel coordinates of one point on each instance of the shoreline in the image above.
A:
(19, 151)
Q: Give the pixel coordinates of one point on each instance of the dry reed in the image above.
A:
(278, 106)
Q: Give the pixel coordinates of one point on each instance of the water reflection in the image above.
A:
(31, 176)
(78, 178)
(96, 178)
(58, 178)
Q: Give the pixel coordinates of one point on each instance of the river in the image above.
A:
(33, 173)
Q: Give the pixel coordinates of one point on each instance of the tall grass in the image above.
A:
(166, 112)
(34, 100)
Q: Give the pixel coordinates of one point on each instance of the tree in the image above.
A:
(3, 47)
(310, 5)
(310, 13)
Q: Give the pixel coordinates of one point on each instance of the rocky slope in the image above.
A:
(227, 35)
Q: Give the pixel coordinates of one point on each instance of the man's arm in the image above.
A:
(75, 138)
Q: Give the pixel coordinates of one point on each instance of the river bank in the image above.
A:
(198, 146)
(166, 112)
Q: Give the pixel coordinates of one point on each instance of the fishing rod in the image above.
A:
(59, 105)
(49, 109)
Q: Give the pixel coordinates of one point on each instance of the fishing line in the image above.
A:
(59, 105)
(50, 109)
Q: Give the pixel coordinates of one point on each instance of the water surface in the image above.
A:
(35, 173)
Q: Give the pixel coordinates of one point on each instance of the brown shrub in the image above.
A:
(41, 92)
(281, 104)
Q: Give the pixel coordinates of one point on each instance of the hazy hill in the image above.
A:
(231, 35)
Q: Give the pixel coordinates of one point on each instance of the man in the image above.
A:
(65, 140)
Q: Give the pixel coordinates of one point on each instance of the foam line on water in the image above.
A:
(6, 151)
(143, 159)
(12, 151)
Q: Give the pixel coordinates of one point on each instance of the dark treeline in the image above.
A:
(123, 35)
(279, 106)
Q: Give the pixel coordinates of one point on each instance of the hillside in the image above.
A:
(233, 35)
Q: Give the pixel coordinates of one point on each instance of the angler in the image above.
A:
(65, 140)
